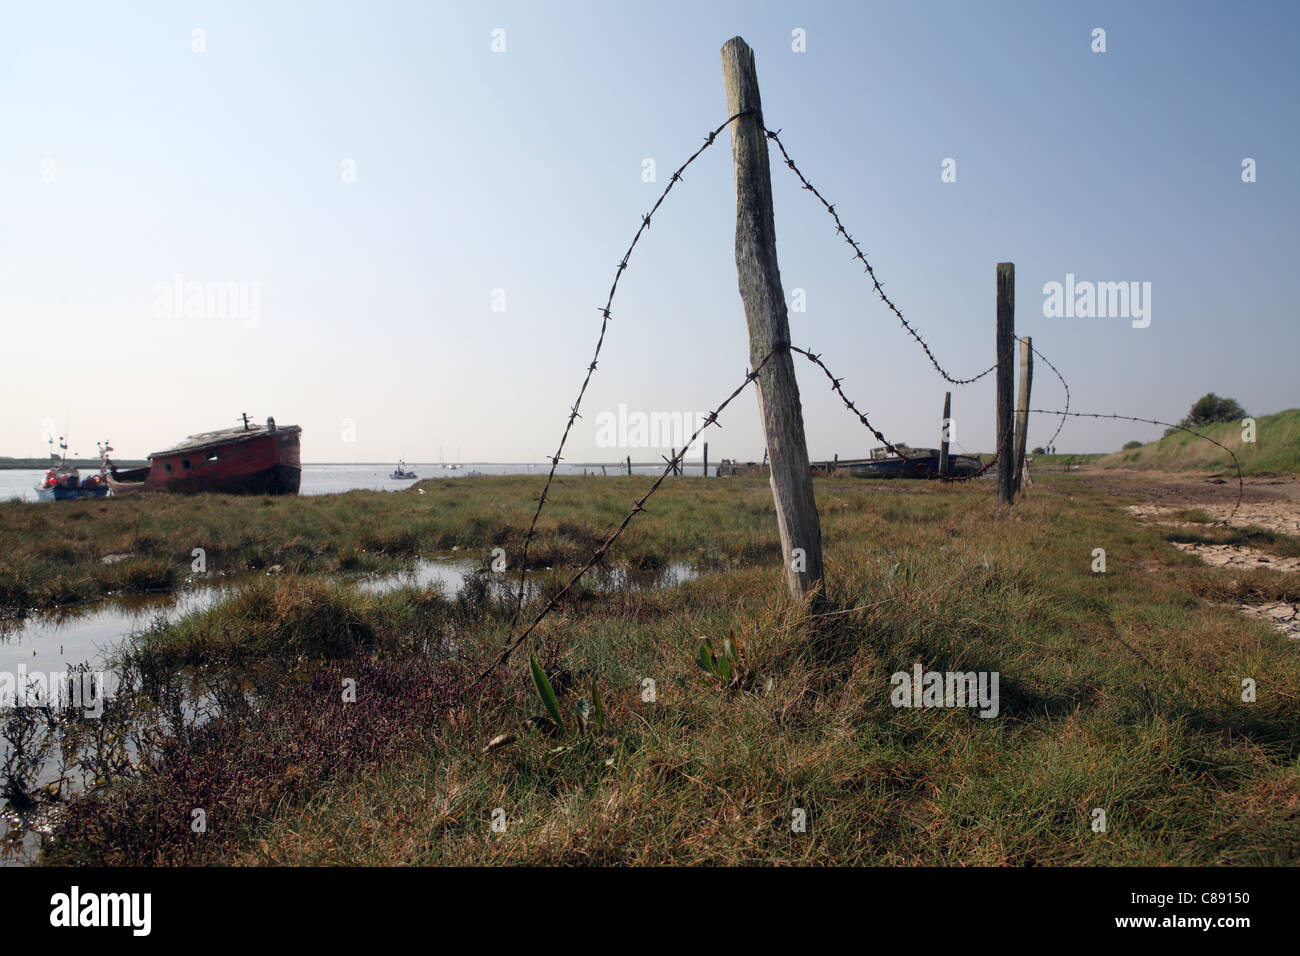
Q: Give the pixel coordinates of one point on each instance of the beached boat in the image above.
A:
(249, 459)
(919, 463)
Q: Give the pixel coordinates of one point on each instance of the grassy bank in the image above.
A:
(1119, 691)
(1275, 451)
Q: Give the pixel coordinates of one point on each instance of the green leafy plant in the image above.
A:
(586, 713)
(546, 692)
(724, 666)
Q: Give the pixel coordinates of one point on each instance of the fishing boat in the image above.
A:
(249, 459)
(63, 482)
(401, 474)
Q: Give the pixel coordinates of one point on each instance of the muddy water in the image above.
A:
(45, 644)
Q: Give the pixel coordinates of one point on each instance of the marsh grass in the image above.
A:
(1119, 691)
(80, 550)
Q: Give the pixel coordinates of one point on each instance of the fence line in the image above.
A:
(600, 341)
(674, 463)
(1241, 484)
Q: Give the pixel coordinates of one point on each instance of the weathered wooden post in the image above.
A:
(769, 327)
(943, 434)
(1022, 407)
(1006, 338)
(706, 459)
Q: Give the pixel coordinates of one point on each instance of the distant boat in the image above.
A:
(401, 474)
(920, 463)
(63, 482)
(250, 459)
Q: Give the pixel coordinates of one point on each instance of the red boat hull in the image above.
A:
(263, 463)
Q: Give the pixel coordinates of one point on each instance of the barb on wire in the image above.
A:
(1065, 414)
(871, 273)
(600, 341)
(1241, 484)
(599, 553)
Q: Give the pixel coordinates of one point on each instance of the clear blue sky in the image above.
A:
(522, 171)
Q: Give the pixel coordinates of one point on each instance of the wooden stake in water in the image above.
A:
(769, 328)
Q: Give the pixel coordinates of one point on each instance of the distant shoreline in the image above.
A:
(39, 464)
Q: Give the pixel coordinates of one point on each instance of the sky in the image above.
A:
(421, 207)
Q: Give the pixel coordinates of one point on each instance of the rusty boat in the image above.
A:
(249, 459)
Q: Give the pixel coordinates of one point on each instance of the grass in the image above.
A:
(55, 554)
(1276, 450)
(1119, 691)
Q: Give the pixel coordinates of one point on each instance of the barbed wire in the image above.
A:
(600, 341)
(599, 553)
(1066, 414)
(836, 387)
(858, 254)
(1241, 484)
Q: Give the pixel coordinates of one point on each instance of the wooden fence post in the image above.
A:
(629, 464)
(769, 326)
(1022, 407)
(943, 435)
(1006, 339)
(706, 459)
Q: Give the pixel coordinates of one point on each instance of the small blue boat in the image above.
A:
(63, 482)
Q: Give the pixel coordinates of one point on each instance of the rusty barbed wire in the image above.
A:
(858, 254)
(600, 341)
(599, 553)
(1241, 484)
(1065, 385)
(835, 387)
